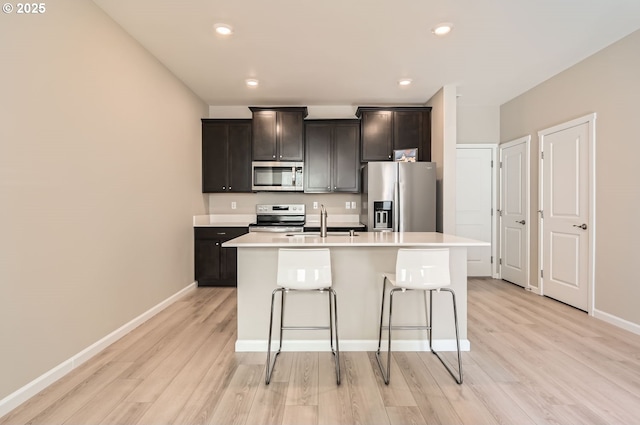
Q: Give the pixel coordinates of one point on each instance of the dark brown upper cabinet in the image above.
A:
(278, 133)
(332, 156)
(226, 155)
(385, 129)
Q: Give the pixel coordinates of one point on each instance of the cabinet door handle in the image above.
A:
(521, 222)
(389, 156)
(229, 187)
(221, 233)
(224, 187)
(274, 156)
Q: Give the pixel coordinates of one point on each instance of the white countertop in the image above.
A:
(396, 239)
(223, 220)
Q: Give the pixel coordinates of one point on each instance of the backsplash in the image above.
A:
(220, 203)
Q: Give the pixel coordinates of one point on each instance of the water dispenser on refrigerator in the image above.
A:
(383, 215)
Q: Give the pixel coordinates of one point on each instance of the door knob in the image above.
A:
(521, 222)
(582, 226)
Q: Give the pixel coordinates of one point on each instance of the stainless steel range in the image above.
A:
(279, 218)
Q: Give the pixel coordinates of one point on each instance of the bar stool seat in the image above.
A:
(304, 270)
(418, 270)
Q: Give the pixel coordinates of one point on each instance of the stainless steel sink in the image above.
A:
(317, 234)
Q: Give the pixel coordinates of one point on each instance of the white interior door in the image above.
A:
(474, 198)
(566, 226)
(514, 211)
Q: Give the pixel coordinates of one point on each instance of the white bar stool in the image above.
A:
(418, 270)
(304, 270)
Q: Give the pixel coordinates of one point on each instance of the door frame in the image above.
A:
(527, 196)
(494, 199)
(590, 120)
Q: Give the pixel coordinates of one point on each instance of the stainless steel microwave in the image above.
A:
(277, 176)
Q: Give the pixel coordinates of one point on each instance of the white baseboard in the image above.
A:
(617, 321)
(21, 395)
(247, 345)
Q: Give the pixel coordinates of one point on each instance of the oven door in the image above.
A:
(277, 176)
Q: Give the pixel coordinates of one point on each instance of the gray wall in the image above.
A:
(99, 180)
(443, 153)
(478, 124)
(607, 83)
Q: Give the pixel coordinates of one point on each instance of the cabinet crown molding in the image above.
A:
(390, 108)
(302, 109)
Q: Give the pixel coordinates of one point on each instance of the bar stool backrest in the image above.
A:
(304, 268)
(422, 268)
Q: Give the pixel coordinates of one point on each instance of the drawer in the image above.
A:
(221, 233)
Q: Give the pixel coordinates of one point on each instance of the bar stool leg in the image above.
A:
(430, 319)
(458, 378)
(329, 294)
(430, 316)
(384, 285)
(390, 328)
(385, 377)
(269, 365)
(333, 322)
(282, 303)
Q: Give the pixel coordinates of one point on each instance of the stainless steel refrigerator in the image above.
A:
(399, 196)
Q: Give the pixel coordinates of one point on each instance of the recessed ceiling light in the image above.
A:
(442, 29)
(404, 82)
(251, 82)
(223, 29)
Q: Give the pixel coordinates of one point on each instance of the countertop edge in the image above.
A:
(352, 244)
(366, 239)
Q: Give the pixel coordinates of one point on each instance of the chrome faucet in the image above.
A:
(323, 221)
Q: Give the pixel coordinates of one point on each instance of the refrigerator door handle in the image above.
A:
(397, 224)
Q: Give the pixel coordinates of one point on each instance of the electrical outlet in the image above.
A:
(347, 205)
(353, 205)
(315, 205)
(233, 205)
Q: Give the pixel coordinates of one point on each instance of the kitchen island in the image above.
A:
(357, 264)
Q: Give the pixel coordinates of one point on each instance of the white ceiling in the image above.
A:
(352, 52)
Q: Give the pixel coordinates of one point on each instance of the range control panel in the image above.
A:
(281, 209)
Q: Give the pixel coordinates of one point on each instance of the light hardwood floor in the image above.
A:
(532, 361)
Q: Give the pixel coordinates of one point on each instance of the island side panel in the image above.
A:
(358, 283)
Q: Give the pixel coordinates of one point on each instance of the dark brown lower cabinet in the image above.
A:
(215, 265)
